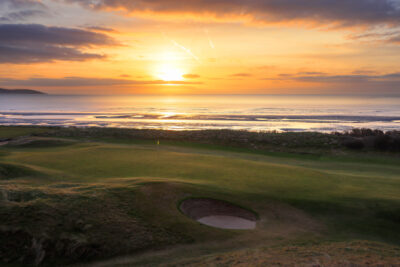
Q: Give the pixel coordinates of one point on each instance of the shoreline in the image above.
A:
(179, 122)
(252, 113)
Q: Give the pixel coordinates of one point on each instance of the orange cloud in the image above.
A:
(191, 76)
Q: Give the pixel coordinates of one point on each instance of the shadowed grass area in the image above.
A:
(10, 171)
(40, 143)
(12, 132)
(97, 198)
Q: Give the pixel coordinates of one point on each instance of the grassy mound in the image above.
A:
(8, 132)
(65, 225)
(39, 143)
(10, 171)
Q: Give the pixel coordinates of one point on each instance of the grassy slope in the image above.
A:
(122, 197)
(322, 254)
(11, 132)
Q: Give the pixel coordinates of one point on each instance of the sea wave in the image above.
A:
(321, 123)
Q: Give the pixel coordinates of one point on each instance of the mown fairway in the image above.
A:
(91, 200)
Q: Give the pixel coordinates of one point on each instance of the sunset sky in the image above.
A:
(201, 46)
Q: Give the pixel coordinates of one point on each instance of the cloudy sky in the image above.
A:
(201, 46)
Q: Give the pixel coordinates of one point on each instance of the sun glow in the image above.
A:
(169, 72)
(169, 67)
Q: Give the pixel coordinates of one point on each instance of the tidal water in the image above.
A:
(240, 112)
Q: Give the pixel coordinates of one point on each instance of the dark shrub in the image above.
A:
(365, 132)
(396, 143)
(382, 142)
(353, 143)
(391, 215)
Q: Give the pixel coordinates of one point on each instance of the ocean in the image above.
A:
(240, 112)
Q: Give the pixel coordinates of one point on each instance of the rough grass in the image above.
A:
(97, 199)
(10, 171)
(7, 132)
(39, 143)
(346, 254)
(79, 222)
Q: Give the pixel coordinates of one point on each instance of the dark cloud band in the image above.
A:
(81, 81)
(25, 55)
(36, 33)
(31, 43)
(337, 12)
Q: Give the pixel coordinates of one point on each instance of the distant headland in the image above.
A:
(20, 91)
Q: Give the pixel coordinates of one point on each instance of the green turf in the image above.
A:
(122, 196)
(10, 171)
(12, 132)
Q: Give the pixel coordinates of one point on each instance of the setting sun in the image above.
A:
(169, 72)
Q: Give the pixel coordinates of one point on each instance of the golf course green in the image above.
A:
(107, 201)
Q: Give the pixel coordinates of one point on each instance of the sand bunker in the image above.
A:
(217, 213)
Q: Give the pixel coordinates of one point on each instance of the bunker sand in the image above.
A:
(218, 213)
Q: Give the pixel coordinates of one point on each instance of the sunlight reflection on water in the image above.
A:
(254, 113)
